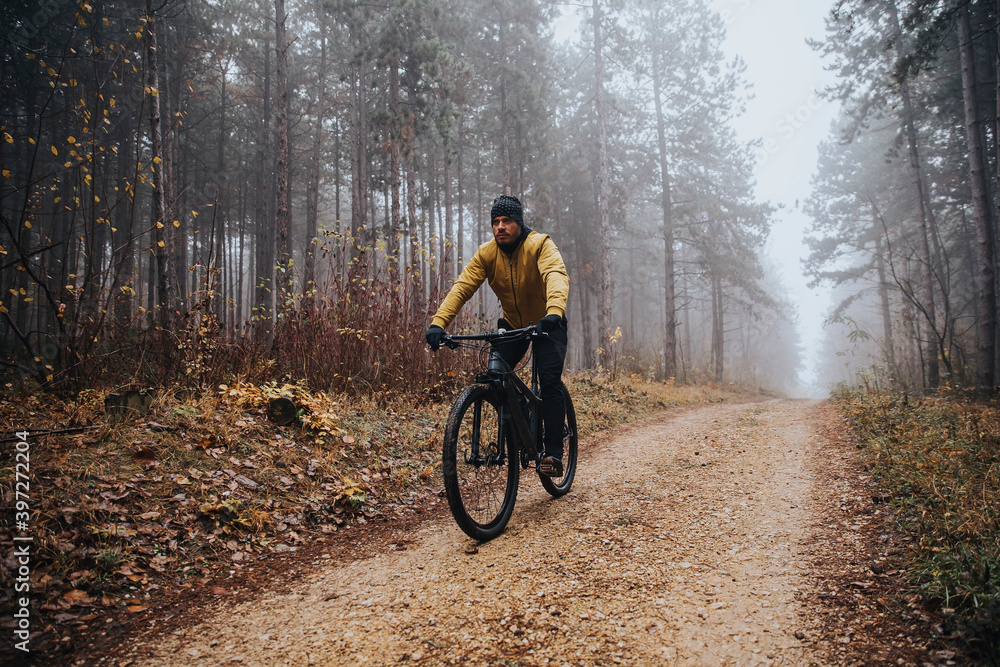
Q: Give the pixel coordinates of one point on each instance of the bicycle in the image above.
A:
(494, 430)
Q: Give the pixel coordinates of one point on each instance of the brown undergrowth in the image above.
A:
(936, 461)
(125, 515)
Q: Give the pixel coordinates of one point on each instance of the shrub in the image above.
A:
(938, 459)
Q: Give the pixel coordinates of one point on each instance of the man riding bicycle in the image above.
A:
(526, 272)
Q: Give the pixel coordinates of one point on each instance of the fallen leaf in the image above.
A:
(77, 597)
(135, 608)
(246, 481)
(219, 590)
(143, 455)
(157, 427)
(158, 563)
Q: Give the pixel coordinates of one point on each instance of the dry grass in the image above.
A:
(937, 460)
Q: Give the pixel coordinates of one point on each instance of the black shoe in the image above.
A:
(551, 466)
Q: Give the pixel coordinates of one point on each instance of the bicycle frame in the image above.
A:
(512, 415)
(510, 386)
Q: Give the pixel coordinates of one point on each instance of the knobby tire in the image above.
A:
(480, 474)
(560, 486)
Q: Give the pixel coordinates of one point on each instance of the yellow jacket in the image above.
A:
(531, 283)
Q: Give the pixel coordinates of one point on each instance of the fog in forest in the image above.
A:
(766, 193)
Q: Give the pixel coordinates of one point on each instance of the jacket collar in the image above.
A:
(509, 248)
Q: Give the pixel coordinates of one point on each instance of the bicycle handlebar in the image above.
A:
(528, 332)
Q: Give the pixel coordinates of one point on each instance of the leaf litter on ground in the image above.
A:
(127, 514)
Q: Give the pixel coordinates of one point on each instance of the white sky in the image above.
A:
(791, 120)
(769, 35)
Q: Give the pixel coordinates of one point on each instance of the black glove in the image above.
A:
(434, 336)
(549, 323)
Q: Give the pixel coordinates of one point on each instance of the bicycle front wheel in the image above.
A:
(480, 472)
(561, 486)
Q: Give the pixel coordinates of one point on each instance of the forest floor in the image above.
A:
(727, 534)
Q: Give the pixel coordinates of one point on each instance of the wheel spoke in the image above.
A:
(479, 484)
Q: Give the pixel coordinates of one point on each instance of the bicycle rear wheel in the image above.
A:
(560, 486)
(480, 473)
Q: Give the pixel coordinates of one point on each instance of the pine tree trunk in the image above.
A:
(223, 202)
(166, 298)
(604, 297)
(480, 227)
(883, 293)
(359, 173)
(504, 120)
(284, 259)
(448, 242)
(666, 203)
(985, 242)
(393, 250)
(460, 234)
(241, 250)
(123, 236)
(414, 285)
(718, 329)
(264, 233)
(312, 189)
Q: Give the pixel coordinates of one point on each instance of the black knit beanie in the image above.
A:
(508, 206)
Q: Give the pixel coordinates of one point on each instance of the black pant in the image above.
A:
(550, 355)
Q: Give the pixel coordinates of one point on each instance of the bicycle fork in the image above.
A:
(474, 455)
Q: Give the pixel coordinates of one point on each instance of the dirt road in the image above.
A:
(684, 542)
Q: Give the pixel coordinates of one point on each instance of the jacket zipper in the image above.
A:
(513, 287)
